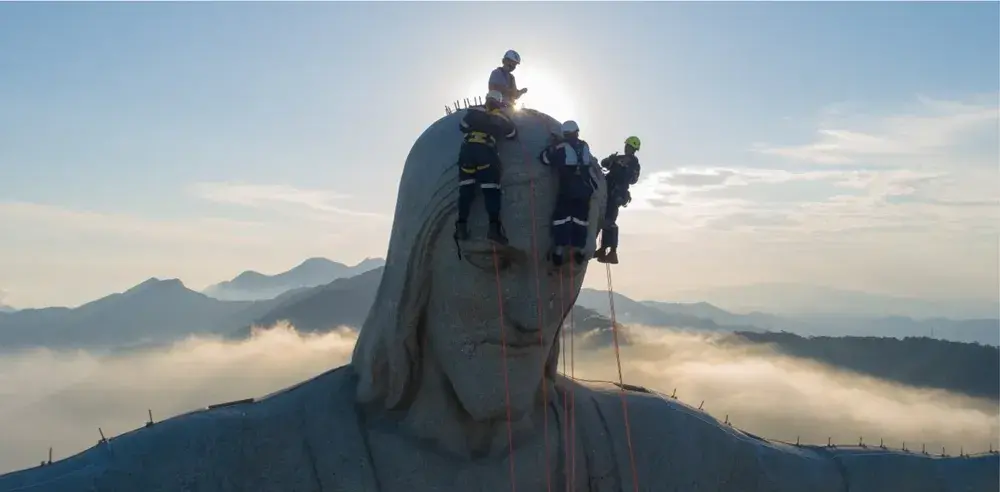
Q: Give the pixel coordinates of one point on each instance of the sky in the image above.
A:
(852, 145)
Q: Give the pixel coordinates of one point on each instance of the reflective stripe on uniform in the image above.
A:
(472, 170)
(562, 221)
(581, 222)
(466, 182)
(480, 137)
(490, 185)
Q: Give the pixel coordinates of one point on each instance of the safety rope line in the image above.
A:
(541, 324)
(565, 396)
(621, 381)
(506, 383)
(572, 375)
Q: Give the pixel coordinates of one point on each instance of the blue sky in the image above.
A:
(844, 144)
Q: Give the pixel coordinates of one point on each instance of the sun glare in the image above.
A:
(545, 93)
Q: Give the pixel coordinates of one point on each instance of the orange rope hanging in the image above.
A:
(506, 384)
(621, 381)
(572, 375)
(541, 324)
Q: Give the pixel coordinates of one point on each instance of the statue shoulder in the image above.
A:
(226, 447)
(874, 468)
(673, 443)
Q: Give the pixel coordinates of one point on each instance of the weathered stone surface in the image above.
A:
(422, 406)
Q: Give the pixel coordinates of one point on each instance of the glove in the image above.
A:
(522, 91)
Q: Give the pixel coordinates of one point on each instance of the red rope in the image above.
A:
(506, 384)
(572, 375)
(538, 305)
(621, 381)
(565, 399)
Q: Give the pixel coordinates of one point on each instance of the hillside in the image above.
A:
(961, 367)
(252, 285)
(702, 316)
(155, 311)
(346, 302)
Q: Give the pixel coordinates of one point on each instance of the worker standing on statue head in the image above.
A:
(570, 157)
(502, 78)
(622, 171)
(479, 164)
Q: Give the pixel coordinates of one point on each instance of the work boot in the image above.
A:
(461, 231)
(599, 255)
(496, 234)
(579, 257)
(557, 256)
(611, 257)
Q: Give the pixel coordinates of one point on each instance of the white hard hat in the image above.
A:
(495, 95)
(512, 56)
(570, 126)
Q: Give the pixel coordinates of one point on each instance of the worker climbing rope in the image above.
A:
(502, 78)
(479, 163)
(621, 171)
(570, 157)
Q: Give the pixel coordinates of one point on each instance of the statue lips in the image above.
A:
(519, 339)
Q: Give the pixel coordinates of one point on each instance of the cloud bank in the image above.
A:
(60, 399)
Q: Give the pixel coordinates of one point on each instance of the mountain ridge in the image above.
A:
(251, 285)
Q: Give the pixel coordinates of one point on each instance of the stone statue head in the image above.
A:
(432, 303)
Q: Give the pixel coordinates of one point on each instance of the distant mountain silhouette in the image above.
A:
(6, 309)
(628, 311)
(346, 302)
(155, 311)
(703, 316)
(800, 299)
(251, 285)
(962, 367)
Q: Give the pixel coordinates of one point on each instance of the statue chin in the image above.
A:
(427, 343)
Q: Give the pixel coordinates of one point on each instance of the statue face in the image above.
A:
(463, 324)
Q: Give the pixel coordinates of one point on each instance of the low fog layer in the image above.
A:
(60, 399)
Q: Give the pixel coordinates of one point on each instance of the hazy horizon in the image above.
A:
(849, 145)
(59, 399)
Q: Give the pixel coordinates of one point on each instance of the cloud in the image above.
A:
(263, 196)
(63, 256)
(27, 217)
(59, 399)
(768, 200)
(934, 126)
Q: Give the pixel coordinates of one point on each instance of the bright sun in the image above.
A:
(545, 93)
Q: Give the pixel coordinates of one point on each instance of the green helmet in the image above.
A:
(633, 142)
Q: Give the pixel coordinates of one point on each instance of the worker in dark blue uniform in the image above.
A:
(570, 157)
(621, 171)
(479, 164)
